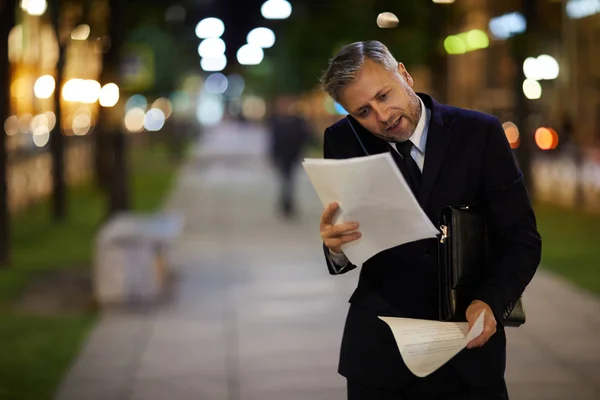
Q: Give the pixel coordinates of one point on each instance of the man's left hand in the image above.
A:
(489, 322)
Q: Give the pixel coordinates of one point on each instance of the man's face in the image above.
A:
(383, 102)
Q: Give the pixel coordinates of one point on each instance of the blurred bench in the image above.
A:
(129, 257)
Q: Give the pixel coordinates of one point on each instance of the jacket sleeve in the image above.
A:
(516, 243)
(333, 268)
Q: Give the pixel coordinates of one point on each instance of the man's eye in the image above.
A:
(383, 96)
(363, 113)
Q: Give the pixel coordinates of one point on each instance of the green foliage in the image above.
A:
(569, 244)
(36, 350)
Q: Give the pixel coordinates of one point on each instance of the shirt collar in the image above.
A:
(419, 137)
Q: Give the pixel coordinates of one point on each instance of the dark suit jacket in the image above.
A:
(467, 161)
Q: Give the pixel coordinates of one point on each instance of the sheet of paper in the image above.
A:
(373, 192)
(427, 345)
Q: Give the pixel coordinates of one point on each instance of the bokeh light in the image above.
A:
(11, 125)
(532, 89)
(136, 101)
(211, 47)
(154, 120)
(109, 95)
(546, 138)
(210, 27)
(165, 105)
(276, 9)
(44, 87)
(134, 119)
(512, 134)
(261, 37)
(216, 83)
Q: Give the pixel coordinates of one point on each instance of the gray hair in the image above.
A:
(348, 62)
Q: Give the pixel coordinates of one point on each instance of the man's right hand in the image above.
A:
(334, 236)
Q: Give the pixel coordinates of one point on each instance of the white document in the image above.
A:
(373, 192)
(427, 345)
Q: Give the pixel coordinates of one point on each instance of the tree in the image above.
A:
(111, 142)
(7, 21)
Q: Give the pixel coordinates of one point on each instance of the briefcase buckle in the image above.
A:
(444, 236)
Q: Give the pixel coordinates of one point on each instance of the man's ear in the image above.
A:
(404, 73)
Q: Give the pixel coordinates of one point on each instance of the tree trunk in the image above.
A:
(57, 140)
(111, 143)
(7, 21)
(522, 48)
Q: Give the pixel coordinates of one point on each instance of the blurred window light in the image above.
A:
(250, 55)
(532, 89)
(261, 37)
(15, 44)
(210, 28)
(82, 32)
(210, 109)
(165, 105)
(154, 120)
(582, 8)
(508, 25)
(254, 108)
(216, 83)
(540, 68)
(214, 64)
(276, 9)
(19, 88)
(211, 47)
(82, 123)
(455, 45)
(39, 120)
(546, 138)
(72, 88)
(11, 125)
(443, 1)
(34, 7)
(25, 123)
(136, 101)
(44, 87)
(512, 134)
(235, 86)
(109, 95)
(134, 119)
(51, 117)
(41, 136)
(90, 92)
(175, 13)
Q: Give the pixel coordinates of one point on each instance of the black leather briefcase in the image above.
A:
(463, 255)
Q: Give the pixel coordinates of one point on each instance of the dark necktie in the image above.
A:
(410, 166)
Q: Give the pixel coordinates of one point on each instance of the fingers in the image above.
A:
(488, 330)
(334, 243)
(341, 229)
(328, 213)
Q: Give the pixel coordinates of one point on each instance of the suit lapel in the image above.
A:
(438, 141)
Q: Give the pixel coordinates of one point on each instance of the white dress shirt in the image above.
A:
(419, 141)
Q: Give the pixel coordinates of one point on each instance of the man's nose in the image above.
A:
(384, 114)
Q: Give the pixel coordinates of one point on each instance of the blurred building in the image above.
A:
(34, 49)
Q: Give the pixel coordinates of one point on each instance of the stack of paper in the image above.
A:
(371, 191)
(427, 345)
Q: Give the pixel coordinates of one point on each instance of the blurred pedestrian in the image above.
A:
(290, 134)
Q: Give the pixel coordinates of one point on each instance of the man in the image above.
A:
(449, 156)
(289, 136)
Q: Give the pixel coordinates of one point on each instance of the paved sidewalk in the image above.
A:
(255, 316)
